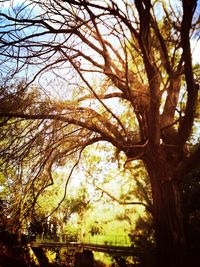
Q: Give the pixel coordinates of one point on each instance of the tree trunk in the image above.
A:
(167, 214)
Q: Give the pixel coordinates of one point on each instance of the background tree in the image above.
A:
(108, 175)
(85, 54)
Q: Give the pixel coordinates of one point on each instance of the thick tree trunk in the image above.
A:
(169, 231)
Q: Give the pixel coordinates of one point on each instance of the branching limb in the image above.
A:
(192, 88)
(66, 185)
(123, 202)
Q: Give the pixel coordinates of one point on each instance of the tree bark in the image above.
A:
(167, 214)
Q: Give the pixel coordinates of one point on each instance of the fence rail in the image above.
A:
(115, 244)
(109, 240)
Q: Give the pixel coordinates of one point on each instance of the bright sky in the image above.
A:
(195, 47)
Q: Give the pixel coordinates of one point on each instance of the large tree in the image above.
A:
(113, 71)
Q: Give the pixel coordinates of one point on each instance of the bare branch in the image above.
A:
(123, 202)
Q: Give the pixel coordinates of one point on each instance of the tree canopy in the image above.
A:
(79, 72)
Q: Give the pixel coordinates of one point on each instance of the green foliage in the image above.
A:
(71, 231)
(143, 239)
(191, 211)
(65, 257)
(127, 92)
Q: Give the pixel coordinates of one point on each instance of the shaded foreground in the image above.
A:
(28, 254)
(50, 253)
